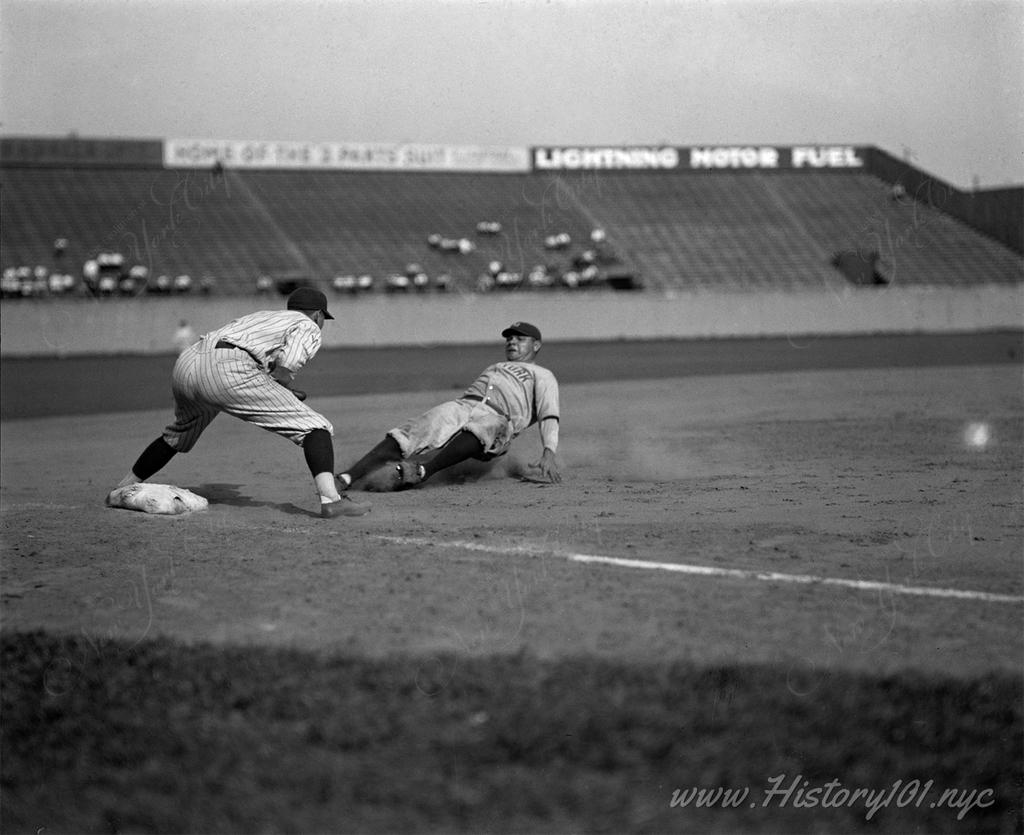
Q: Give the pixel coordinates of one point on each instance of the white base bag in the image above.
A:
(156, 498)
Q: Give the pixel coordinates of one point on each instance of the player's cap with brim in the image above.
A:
(522, 329)
(306, 298)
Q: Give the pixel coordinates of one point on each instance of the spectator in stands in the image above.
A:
(184, 336)
(264, 285)
(107, 284)
(207, 285)
(397, 283)
(91, 275)
(22, 282)
(183, 283)
(110, 261)
(40, 281)
(604, 253)
(584, 259)
(135, 281)
(140, 272)
(443, 283)
(60, 247)
(860, 266)
(108, 271)
(570, 279)
(344, 284)
(62, 284)
(878, 276)
(10, 287)
(507, 280)
(415, 275)
(127, 285)
(897, 193)
(540, 276)
(25, 284)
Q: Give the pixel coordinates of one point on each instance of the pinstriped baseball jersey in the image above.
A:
(208, 380)
(286, 336)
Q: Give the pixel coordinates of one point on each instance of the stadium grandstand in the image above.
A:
(118, 217)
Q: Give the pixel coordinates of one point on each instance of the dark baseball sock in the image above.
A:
(387, 450)
(319, 451)
(462, 445)
(153, 459)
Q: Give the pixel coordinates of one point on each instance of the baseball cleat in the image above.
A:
(410, 473)
(345, 506)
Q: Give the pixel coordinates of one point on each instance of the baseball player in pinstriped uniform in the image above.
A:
(245, 369)
(504, 400)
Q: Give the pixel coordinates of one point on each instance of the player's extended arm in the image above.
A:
(285, 377)
(301, 342)
(281, 374)
(548, 464)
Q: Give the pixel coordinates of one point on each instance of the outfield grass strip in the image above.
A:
(710, 571)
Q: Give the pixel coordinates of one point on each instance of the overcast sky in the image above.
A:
(942, 80)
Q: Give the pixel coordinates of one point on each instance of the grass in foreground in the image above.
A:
(163, 737)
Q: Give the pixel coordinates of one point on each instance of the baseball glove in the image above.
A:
(299, 394)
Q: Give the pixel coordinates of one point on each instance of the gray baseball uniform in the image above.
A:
(504, 400)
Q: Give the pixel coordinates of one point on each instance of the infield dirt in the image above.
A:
(852, 474)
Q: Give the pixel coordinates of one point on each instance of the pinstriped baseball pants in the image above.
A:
(207, 381)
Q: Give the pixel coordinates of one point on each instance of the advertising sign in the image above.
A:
(356, 156)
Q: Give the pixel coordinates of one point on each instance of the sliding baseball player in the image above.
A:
(504, 400)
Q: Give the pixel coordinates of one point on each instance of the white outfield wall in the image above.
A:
(63, 327)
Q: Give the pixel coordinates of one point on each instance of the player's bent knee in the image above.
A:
(179, 444)
(299, 437)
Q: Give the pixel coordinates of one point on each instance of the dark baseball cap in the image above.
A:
(306, 298)
(522, 329)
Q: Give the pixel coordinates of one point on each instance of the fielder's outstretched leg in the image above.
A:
(153, 459)
(319, 452)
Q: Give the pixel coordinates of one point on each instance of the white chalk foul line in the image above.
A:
(710, 571)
